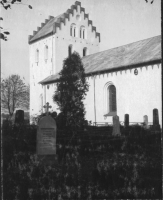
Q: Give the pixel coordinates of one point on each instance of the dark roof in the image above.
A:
(49, 26)
(139, 53)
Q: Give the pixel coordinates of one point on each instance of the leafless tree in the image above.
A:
(14, 94)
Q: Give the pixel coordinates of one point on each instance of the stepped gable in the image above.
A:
(137, 54)
(49, 26)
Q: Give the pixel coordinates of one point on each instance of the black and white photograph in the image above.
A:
(81, 99)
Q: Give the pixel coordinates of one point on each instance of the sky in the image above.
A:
(119, 22)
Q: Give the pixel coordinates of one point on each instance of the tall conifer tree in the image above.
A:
(71, 91)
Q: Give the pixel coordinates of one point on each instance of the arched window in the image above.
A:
(41, 103)
(82, 32)
(73, 30)
(111, 99)
(84, 51)
(69, 50)
(46, 53)
(37, 56)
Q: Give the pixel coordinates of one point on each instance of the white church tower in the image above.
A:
(52, 43)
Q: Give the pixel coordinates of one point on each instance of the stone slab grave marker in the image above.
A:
(126, 121)
(19, 117)
(145, 120)
(116, 126)
(46, 138)
(156, 125)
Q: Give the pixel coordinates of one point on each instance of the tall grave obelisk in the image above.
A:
(46, 138)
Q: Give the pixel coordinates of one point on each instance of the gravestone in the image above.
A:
(155, 117)
(19, 117)
(145, 121)
(156, 125)
(46, 138)
(126, 121)
(116, 126)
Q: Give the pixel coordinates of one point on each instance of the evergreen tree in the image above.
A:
(71, 91)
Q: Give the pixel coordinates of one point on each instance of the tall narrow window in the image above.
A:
(46, 53)
(37, 56)
(112, 105)
(74, 31)
(83, 33)
(41, 103)
(71, 30)
(84, 51)
(69, 50)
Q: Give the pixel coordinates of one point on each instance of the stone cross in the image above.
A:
(47, 107)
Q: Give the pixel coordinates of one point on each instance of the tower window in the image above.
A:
(73, 30)
(69, 50)
(82, 32)
(46, 53)
(84, 51)
(37, 56)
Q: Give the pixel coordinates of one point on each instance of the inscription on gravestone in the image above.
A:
(46, 135)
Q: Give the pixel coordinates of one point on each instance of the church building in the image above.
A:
(122, 80)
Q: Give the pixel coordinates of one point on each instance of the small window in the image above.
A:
(37, 56)
(69, 50)
(84, 51)
(46, 53)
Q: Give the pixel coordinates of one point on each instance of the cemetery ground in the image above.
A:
(91, 164)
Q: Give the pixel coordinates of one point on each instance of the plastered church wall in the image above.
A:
(137, 95)
(39, 70)
(57, 51)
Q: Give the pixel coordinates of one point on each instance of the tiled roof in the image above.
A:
(49, 26)
(135, 54)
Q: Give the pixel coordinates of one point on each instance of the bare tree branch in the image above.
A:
(15, 94)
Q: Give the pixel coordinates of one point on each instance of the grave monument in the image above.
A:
(46, 138)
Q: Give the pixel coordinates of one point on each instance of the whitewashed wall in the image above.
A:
(39, 70)
(57, 52)
(137, 95)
